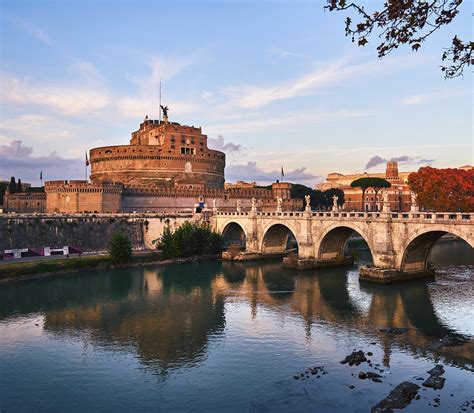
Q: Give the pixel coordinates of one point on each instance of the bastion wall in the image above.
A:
(87, 232)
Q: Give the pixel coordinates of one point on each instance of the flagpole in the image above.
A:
(159, 109)
(85, 169)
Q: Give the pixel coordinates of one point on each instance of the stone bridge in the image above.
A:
(399, 242)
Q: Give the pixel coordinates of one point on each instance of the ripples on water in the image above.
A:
(226, 336)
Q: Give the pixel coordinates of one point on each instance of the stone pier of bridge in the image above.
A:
(399, 242)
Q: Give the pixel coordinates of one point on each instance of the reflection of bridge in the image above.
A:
(169, 314)
(327, 296)
(399, 242)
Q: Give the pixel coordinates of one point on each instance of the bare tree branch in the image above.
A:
(409, 22)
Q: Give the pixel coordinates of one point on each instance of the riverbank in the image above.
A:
(21, 271)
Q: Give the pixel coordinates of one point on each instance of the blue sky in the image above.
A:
(272, 82)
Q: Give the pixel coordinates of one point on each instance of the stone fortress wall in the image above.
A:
(88, 232)
(81, 196)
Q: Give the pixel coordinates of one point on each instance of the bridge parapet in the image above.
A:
(399, 242)
(383, 216)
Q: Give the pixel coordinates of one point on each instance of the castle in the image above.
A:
(167, 167)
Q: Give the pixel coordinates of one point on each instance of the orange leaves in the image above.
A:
(443, 189)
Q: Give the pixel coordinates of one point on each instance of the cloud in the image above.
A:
(137, 107)
(167, 67)
(251, 172)
(323, 76)
(145, 100)
(283, 53)
(374, 161)
(66, 99)
(37, 32)
(38, 128)
(229, 148)
(414, 100)
(259, 122)
(404, 159)
(17, 160)
(433, 96)
(15, 150)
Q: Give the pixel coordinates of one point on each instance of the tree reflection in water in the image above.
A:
(168, 314)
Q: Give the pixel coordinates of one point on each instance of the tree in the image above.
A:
(299, 191)
(408, 22)
(189, 240)
(443, 189)
(370, 182)
(328, 195)
(19, 186)
(120, 248)
(318, 199)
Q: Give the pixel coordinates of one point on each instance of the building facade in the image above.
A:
(24, 202)
(398, 196)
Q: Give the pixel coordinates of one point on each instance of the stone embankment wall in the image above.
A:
(88, 232)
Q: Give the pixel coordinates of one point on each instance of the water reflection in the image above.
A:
(167, 315)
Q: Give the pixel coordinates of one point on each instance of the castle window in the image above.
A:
(187, 151)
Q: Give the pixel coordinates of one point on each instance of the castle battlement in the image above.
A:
(82, 186)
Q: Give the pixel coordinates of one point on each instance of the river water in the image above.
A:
(219, 336)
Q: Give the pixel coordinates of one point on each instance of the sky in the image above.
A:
(272, 83)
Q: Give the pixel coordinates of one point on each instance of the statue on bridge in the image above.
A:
(307, 199)
(414, 204)
(239, 209)
(335, 198)
(254, 204)
(214, 205)
(279, 204)
(386, 203)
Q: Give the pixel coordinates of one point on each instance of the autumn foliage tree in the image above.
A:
(443, 190)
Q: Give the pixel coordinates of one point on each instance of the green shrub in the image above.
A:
(189, 240)
(120, 248)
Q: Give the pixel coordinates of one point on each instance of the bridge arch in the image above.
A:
(332, 243)
(417, 250)
(234, 233)
(278, 238)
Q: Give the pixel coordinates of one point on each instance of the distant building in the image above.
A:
(466, 167)
(24, 202)
(399, 194)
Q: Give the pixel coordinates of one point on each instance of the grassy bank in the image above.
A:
(19, 271)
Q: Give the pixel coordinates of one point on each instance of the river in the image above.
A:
(220, 336)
